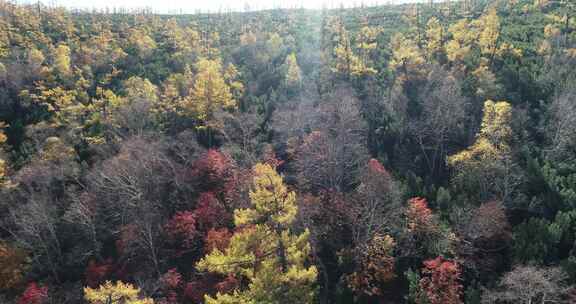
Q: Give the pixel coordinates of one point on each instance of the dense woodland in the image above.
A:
(421, 153)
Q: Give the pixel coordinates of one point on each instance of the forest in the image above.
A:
(418, 153)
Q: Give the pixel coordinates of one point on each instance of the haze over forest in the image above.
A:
(178, 6)
(418, 153)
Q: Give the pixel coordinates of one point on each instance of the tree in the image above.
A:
(441, 281)
(34, 228)
(62, 61)
(434, 38)
(115, 293)
(209, 92)
(139, 110)
(529, 284)
(420, 218)
(3, 139)
(484, 237)
(217, 239)
(12, 266)
(486, 168)
(210, 213)
(96, 272)
(141, 42)
(333, 153)
(406, 56)
(463, 37)
(376, 266)
(562, 126)
(376, 205)
(441, 119)
(265, 252)
(293, 73)
(346, 62)
(423, 235)
(34, 294)
(181, 228)
(171, 282)
(131, 192)
(489, 35)
(367, 43)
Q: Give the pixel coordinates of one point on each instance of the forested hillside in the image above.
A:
(421, 153)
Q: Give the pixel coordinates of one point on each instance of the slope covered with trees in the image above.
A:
(421, 153)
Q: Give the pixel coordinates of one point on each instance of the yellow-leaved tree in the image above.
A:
(265, 252)
(346, 62)
(293, 73)
(209, 92)
(62, 61)
(3, 139)
(463, 37)
(434, 38)
(406, 56)
(489, 34)
(486, 167)
(115, 293)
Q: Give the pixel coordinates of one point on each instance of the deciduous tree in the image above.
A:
(115, 293)
(441, 281)
(265, 252)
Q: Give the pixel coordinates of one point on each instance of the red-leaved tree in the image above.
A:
(210, 213)
(212, 170)
(34, 294)
(181, 229)
(170, 283)
(217, 239)
(441, 281)
(96, 273)
(420, 218)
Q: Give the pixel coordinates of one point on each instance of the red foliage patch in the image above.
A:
(441, 281)
(96, 273)
(419, 216)
(34, 294)
(171, 279)
(196, 289)
(210, 213)
(182, 228)
(217, 239)
(212, 170)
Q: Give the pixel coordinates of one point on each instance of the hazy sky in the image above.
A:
(211, 5)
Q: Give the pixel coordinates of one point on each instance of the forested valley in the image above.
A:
(418, 153)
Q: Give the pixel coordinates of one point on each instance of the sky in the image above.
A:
(191, 6)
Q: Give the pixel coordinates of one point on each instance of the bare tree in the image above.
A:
(442, 117)
(331, 156)
(33, 225)
(562, 126)
(240, 132)
(530, 284)
(376, 206)
(131, 189)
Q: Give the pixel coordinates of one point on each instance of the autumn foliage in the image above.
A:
(420, 153)
(420, 218)
(210, 213)
(441, 281)
(217, 239)
(12, 262)
(182, 229)
(376, 267)
(96, 272)
(34, 294)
